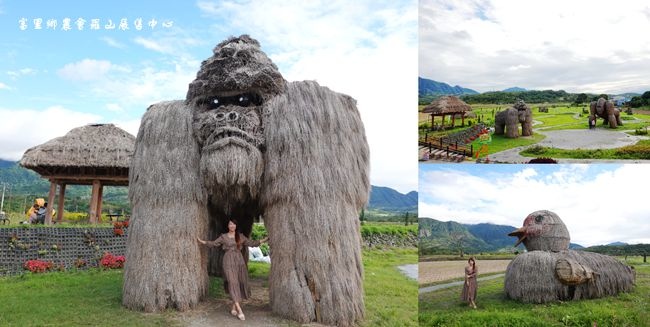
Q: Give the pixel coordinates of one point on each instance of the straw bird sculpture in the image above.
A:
(507, 121)
(245, 143)
(549, 271)
(605, 109)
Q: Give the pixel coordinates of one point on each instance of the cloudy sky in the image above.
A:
(577, 46)
(599, 204)
(59, 77)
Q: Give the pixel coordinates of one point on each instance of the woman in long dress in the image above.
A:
(234, 267)
(470, 286)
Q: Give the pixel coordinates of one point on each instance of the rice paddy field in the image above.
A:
(434, 272)
(444, 308)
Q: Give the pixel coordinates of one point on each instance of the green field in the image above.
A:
(93, 298)
(444, 308)
(560, 116)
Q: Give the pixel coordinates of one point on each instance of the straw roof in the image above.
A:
(447, 105)
(91, 146)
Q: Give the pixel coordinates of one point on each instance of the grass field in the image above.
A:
(640, 150)
(444, 308)
(93, 298)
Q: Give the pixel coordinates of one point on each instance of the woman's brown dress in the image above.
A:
(470, 286)
(234, 267)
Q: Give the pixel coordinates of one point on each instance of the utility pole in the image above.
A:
(2, 203)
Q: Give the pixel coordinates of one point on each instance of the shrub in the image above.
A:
(111, 261)
(38, 266)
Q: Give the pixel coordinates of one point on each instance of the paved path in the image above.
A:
(452, 284)
(575, 139)
(411, 271)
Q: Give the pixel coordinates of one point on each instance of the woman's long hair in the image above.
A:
(237, 238)
(473, 264)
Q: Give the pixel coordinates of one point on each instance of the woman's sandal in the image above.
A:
(241, 316)
(233, 312)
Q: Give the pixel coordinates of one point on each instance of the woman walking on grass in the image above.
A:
(470, 286)
(234, 267)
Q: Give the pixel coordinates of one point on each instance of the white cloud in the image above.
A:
(494, 44)
(4, 86)
(14, 74)
(360, 48)
(151, 44)
(88, 70)
(25, 128)
(114, 107)
(598, 208)
(131, 126)
(112, 42)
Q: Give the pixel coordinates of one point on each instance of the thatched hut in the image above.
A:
(552, 272)
(447, 105)
(97, 155)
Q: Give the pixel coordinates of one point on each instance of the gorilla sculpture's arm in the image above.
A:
(165, 267)
(315, 183)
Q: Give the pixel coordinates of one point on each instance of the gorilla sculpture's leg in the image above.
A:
(316, 181)
(512, 123)
(592, 112)
(499, 123)
(612, 114)
(165, 267)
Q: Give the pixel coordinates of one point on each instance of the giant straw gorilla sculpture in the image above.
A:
(507, 120)
(605, 109)
(246, 143)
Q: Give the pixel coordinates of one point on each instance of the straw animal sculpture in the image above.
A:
(245, 144)
(549, 271)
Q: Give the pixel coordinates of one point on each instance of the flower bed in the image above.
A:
(30, 249)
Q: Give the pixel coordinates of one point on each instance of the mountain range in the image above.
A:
(25, 182)
(444, 237)
(515, 89)
(427, 87)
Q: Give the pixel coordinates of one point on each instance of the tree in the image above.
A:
(604, 96)
(582, 98)
(406, 218)
(362, 216)
(646, 96)
(636, 102)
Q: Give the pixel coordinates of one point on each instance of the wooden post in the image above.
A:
(432, 119)
(453, 120)
(93, 201)
(50, 203)
(59, 208)
(99, 202)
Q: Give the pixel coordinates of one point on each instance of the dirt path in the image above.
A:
(216, 312)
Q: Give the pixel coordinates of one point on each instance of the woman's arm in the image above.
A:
(251, 243)
(216, 243)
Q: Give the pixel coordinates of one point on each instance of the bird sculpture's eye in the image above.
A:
(539, 219)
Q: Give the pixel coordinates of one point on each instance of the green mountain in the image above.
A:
(428, 90)
(515, 89)
(24, 185)
(387, 199)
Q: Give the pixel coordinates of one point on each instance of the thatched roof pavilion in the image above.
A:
(97, 155)
(447, 105)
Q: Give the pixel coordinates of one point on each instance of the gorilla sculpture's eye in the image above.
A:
(220, 116)
(214, 103)
(244, 101)
(539, 219)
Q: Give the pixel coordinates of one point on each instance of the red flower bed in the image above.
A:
(118, 231)
(38, 266)
(111, 261)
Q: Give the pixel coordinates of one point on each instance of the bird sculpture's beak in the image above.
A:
(520, 233)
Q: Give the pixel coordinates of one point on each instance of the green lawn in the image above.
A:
(444, 308)
(93, 298)
(500, 143)
(640, 150)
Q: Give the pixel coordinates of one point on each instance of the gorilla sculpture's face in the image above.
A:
(227, 98)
